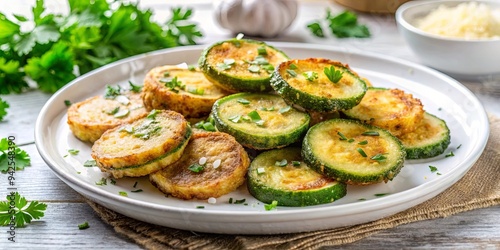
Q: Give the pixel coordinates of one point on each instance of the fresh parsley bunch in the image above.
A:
(60, 47)
(342, 25)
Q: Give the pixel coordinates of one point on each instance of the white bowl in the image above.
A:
(460, 58)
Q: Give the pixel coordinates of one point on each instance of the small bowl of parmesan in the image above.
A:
(459, 38)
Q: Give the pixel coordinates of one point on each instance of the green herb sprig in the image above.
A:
(343, 25)
(23, 212)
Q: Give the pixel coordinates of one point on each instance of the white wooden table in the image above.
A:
(66, 209)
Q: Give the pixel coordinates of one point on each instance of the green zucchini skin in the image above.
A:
(234, 83)
(253, 136)
(356, 170)
(311, 101)
(436, 141)
(263, 188)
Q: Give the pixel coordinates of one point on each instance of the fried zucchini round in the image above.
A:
(89, 119)
(241, 65)
(318, 84)
(143, 146)
(213, 164)
(186, 91)
(392, 109)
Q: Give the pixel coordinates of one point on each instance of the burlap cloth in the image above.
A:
(483, 178)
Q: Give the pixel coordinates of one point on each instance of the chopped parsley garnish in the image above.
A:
(67, 103)
(271, 206)
(310, 75)
(268, 67)
(284, 109)
(281, 163)
(291, 72)
(363, 142)
(243, 101)
(361, 152)
(450, 154)
(191, 67)
(102, 182)
(379, 157)
(90, 163)
(112, 92)
(195, 167)
(459, 146)
(235, 118)
(226, 64)
(135, 184)
(433, 169)
(112, 181)
(254, 115)
(254, 69)
(333, 74)
(296, 163)
(84, 225)
(134, 88)
(123, 193)
(362, 199)
(239, 201)
(230, 200)
(262, 50)
(381, 194)
(136, 191)
(200, 207)
(350, 140)
(196, 91)
(73, 151)
(113, 111)
(342, 136)
(292, 66)
(16, 208)
(152, 114)
(174, 84)
(371, 133)
(316, 29)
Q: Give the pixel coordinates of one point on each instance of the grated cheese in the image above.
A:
(469, 20)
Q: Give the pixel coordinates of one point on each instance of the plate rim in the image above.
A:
(276, 216)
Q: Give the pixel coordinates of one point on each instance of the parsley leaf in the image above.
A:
(333, 74)
(84, 225)
(271, 206)
(343, 25)
(24, 213)
(20, 159)
(3, 108)
(11, 76)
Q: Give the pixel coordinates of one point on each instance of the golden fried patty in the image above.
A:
(89, 119)
(213, 164)
(183, 90)
(144, 146)
(392, 109)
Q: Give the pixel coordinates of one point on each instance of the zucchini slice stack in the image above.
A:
(183, 90)
(318, 84)
(353, 152)
(259, 121)
(281, 175)
(143, 146)
(213, 164)
(241, 65)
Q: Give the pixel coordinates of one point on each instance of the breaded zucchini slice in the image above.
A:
(241, 65)
(89, 119)
(353, 152)
(392, 109)
(143, 146)
(259, 121)
(318, 84)
(183, 90)
(281, 175)
(431, 138)
(213, 164)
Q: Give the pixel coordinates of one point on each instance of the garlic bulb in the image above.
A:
(266, 18)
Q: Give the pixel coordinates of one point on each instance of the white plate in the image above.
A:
(415, 184)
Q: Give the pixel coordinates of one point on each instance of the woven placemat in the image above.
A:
(483, 178)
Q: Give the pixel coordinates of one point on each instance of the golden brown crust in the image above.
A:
(122, 153)
(89, 119)
(157, 96)
(178, 181)
(392, 109)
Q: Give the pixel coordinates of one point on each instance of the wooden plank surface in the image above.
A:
(66, 209)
